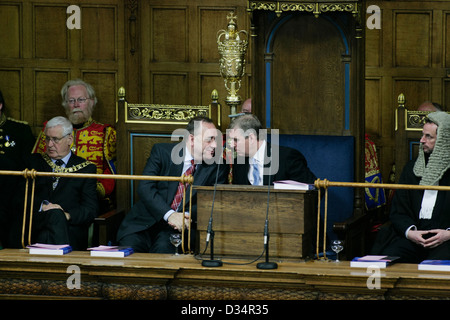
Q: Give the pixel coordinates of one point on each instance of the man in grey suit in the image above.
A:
(146, 228)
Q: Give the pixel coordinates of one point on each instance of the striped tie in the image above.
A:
(181, 186)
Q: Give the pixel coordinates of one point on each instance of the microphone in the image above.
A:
(267, 265)
(210, 232)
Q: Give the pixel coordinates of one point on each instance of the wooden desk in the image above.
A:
(159, 276)
(239, 217)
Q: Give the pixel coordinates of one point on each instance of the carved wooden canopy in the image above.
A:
(314, 7)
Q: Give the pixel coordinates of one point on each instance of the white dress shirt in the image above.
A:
(258, 157)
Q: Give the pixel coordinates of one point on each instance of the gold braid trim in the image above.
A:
(60, 169)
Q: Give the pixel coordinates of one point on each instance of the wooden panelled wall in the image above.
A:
(38, 54)
(410, 54)
(165, 51)
(177, 59)
(161, 51)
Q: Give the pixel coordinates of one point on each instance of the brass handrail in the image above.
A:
(32, 174)
(325, 184)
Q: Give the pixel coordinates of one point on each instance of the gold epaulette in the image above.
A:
(18, 121)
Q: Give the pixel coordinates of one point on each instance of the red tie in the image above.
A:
(179, 195)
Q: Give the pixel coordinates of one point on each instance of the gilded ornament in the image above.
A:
(232, 46)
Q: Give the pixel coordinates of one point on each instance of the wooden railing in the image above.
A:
(325, 184)
(319, 184)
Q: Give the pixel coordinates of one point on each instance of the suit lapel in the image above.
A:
(175, 171)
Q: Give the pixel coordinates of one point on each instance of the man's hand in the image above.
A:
(429, 238)
(176, 220)
(50, 206)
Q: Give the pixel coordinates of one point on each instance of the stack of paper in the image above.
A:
(372, 260)
(292, 185)
(110, 251)
(52, 249)
(435, 265)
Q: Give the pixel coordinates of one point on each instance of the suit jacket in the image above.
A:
(292, 166)
(77, 196)
(405, 209)
(155, 197)
(406, 204)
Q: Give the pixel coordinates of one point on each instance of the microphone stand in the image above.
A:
(267, 265)
(210, 233)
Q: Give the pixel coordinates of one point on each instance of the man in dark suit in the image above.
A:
(258, 160)
(147, 227)
(63, 207)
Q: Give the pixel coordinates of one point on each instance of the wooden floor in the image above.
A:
(162, 277)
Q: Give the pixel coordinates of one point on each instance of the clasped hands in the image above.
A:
(175, 220)
(48, 206)
(429, 238)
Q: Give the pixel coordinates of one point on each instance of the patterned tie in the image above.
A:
(256, 178)
(181, 186)
(59, 163)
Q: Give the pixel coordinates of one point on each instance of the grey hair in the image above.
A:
(60, 121)
(77, 82)
(249, 123)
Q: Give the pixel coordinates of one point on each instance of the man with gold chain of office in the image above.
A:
(92, 141)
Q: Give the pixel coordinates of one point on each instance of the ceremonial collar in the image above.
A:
(67, 169)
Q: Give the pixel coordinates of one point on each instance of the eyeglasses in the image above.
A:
(54, 139)
(79, 100)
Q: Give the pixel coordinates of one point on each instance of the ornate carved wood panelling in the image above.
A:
(315, 7)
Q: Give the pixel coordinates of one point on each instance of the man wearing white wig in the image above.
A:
(420, 227)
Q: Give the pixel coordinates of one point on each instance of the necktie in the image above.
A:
(181, 186)
(59, 163)
(256, 178)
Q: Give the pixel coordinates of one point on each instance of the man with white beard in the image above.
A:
(92, 141)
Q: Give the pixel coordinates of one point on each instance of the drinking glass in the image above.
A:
(337, 246)
(175, 239)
